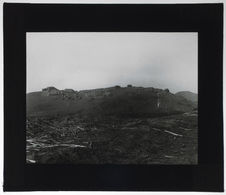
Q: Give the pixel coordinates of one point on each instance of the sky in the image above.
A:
(89, 60)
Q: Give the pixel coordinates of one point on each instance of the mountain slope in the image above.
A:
(188, 95)
(114, 101)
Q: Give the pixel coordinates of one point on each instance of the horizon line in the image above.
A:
(127, 86)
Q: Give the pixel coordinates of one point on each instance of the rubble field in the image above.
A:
(72, 139)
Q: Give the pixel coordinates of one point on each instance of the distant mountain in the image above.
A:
(188, 95)
(114, 101)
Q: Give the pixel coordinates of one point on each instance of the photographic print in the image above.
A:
(112, 98)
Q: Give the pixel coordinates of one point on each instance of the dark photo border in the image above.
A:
(206, 19)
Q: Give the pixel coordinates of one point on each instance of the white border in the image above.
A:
(115, 1)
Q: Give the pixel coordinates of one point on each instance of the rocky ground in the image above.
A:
(74, 140)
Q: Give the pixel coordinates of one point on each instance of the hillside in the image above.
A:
(114, 101)
(188, 95)
(129, 125)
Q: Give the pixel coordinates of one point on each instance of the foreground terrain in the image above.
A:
(73, 139)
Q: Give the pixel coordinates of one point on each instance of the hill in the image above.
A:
(188, 95)
(114, 101)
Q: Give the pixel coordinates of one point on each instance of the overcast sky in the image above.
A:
(96, 60)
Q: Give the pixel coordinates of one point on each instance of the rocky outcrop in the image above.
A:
(69, 94)
(50, 91)
(68, 91)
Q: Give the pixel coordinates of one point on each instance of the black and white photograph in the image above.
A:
(112, 98)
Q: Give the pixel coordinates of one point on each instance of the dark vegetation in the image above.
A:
(113, 125)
